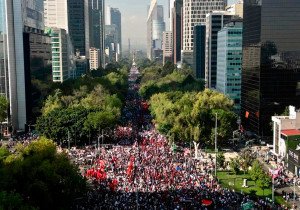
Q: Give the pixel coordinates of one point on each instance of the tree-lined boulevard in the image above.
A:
(133, 139)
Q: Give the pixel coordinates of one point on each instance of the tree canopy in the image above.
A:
(3, 108)
(190, 116)
(168, 78)
(36, 176)
(79, 108)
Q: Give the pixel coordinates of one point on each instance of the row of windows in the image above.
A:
(56, 78)
(235, 32)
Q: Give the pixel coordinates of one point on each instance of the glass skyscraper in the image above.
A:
(215, 21)
(229, 61)
(271, 61)
(199, 51)
(76, 25)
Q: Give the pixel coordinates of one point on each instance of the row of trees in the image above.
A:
(190, 116)
(159, 79)
(37, 177)
(42, 85)
(79, 108)
(182, 108)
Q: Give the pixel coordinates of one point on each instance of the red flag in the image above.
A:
(274, 173)
(247, 114)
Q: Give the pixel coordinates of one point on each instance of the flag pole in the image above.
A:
(216, 148)
(273, 188)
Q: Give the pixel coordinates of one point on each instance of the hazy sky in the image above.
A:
(134, 15)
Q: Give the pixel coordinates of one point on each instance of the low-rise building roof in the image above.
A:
(291, 132)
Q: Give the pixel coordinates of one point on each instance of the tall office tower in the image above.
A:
(167, 46)
(177, 30)
(194, 13)
(23, 51)
(236, 9)
(62, 50)
(94, 58)
(171, 8)
(60, 25)
(155, 28)
(229, 61)
(271, 70)
(113, 16)
(214, 22)
(199, 51)
(94, 12)
(76, 24)
(111, 45)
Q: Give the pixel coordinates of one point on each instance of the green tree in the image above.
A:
(264, 181)
(234, 165)
(256, 171)
(12, 201)
(247, 159)
(39, 176)
(58, 123)
(3, 108)
(52, 102)
(220, 160)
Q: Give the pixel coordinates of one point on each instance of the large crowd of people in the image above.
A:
(150, 175)
(144, 171)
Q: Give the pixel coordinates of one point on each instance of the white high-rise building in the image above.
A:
(63, 59)
(56, 18)
(194, 13)
(155, 27)
(94, 58)
(167, 46)
(171, 7)
(56, 14)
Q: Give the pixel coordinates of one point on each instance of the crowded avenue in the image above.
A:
(142, 170)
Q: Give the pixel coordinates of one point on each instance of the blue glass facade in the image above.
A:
(229, 62)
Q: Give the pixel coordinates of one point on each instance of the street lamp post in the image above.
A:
(102, 137)
(216, 148)
(294, 190)
(239, 121)
(68, 139)
(273, 188)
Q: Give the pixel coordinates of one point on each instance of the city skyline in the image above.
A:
(134, 16)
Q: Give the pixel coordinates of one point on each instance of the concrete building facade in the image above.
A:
(194, 13)
(167, 46)
(236, 9)
(94, 58)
